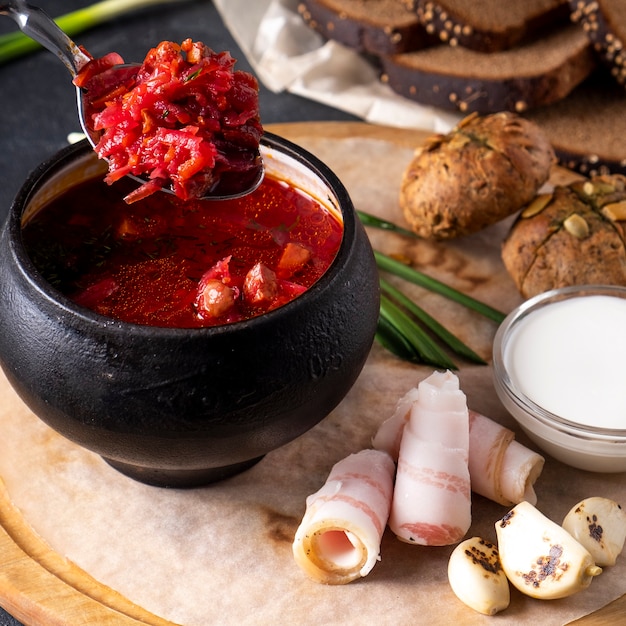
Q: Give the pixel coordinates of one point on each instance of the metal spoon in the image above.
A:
(36, 24)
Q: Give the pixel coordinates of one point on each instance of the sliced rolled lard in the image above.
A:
(518, 473)
(432, 497)
(488, 443)
(339, 537)
(389, 434)
(501, 468)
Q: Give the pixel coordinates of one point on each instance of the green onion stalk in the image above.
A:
(16, 44)
(404, 328)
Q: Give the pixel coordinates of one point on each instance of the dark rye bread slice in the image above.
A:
(488, 25)
(604, 21)
(377, 27)
(533, 74)
(588, 128)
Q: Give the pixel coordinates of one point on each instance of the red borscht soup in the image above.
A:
(166, 262)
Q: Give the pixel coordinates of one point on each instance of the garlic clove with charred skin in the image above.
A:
(541, 558)
(599, 524)
(477, 578)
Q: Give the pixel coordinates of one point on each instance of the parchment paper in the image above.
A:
(287, 55)
(222, 554)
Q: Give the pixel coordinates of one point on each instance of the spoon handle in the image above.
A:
(36, 24)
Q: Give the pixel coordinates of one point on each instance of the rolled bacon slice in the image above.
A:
(518, 473)
(389, 433)
(501, 468)
(339, 537)
(432, 496)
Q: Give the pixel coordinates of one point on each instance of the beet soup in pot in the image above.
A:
(179, 350)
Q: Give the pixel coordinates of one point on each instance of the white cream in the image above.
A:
(569, 358)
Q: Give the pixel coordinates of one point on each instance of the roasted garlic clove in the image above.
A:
(476, 576)
(599, 524)
(540, 557)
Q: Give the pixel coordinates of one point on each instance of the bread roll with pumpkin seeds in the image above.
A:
(572, 236)
(482, 171)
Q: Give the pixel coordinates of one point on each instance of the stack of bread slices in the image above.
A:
(560, 63)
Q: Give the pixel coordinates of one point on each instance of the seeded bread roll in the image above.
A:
(573, 236)
(587, 129)
(373, 26)
(484, 170)
(604, 21)
(488, 25)
(534, 74)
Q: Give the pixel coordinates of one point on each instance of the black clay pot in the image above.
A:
(186, 407)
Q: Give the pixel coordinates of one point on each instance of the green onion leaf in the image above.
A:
(390, 338)
(16, 44)
(421, 342)
(442, 333)
(407, 273)
(376, 222)
(399, 327)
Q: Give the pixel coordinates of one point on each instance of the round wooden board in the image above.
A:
(41, 588)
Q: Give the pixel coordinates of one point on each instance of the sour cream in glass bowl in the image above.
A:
(558, 363)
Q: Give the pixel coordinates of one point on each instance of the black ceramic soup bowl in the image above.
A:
(186, 407)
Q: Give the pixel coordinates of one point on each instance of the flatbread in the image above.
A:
(222, 554)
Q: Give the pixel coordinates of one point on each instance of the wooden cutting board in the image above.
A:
(42, 588)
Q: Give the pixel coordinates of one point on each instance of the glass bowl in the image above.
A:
(558, 369)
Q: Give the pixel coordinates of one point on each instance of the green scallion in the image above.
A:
(404, 328)
(402, 270)
(16, 44)
(376, 222)
(442, 333)
(422, 343)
